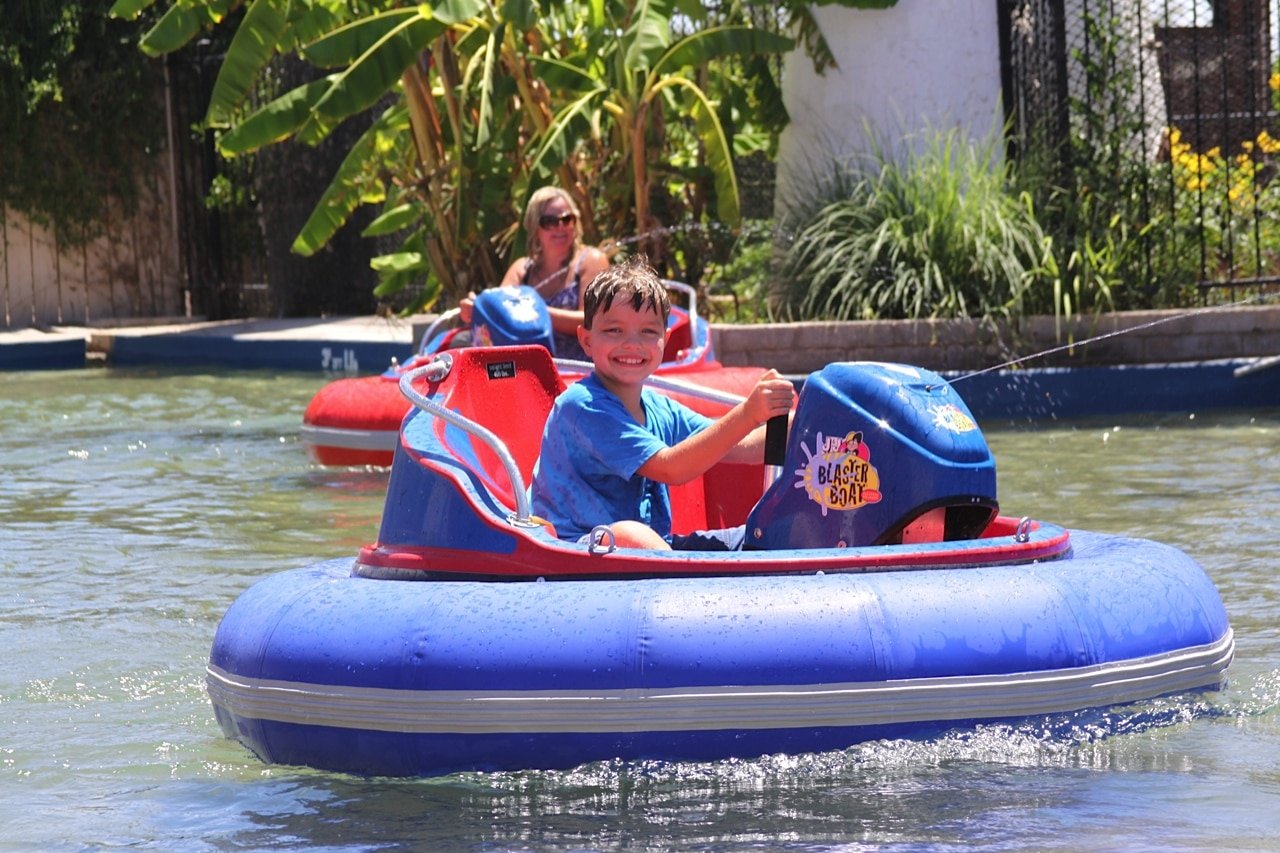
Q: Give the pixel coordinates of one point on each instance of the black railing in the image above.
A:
(220, 241)
(1161, 112)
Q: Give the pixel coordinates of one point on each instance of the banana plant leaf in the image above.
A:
(129, 9)
(393, 220)
(181, 24)
(715, 143)
(345, 193)
(277, 120)
(379, 68)
(251, 49)
(699, 48)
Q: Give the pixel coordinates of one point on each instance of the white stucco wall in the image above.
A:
(917, 66)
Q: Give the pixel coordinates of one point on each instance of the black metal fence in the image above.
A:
(236, 236)
(1158, 120)
(218, 233)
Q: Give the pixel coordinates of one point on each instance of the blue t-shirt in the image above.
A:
(591, 450)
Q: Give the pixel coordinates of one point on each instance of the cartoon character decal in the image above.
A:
(951, 417)
(481, 336)
(521, 305)
(838, 473)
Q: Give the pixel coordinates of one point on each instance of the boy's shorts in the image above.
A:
(727, 539)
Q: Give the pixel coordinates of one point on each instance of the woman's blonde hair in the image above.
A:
(533, 212)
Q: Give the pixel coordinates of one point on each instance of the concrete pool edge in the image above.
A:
(1114, 376)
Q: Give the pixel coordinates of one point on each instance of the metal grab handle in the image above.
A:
(440, 322)
(602, 540)
(437, 369)
(692, 294)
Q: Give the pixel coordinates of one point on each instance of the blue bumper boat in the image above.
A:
(883, 594)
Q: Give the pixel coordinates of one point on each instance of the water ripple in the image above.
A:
(135, 505)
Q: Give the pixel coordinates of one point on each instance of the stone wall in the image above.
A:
(1138, 337)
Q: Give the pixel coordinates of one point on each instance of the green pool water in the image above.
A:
(136, 505)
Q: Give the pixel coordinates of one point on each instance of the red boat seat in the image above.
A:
(679, 337)
(509, 391)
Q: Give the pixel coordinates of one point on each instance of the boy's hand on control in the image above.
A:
(772, 396)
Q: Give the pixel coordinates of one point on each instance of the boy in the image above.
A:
(611, 446)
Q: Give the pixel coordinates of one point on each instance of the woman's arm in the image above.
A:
(515, 272)
(565, 320)
(594, 262)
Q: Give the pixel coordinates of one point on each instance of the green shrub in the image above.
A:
(738, 288)
(935, 235)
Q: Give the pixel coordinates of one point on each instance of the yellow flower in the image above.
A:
(1274, 82)
(1175, 135)
(1267, 144)
(1247, 145)
(1243, 197)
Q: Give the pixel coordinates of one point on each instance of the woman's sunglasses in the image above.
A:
(548, 220)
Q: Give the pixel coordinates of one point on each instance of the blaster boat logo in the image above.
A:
(951, 417)
(838, 473)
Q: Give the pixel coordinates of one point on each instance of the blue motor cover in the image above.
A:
(872, 448)
(511, 315)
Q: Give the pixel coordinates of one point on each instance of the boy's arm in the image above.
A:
(737, 436)
(751, 448)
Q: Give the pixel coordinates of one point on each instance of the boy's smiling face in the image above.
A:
(625, 344)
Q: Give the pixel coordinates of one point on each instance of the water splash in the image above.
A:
(1086, 738)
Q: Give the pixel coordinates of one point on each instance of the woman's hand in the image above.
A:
(465, 306)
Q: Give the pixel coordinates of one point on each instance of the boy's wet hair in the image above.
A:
(633, 276)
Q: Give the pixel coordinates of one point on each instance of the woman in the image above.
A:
(559, 267)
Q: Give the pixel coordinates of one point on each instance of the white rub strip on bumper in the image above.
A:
(725, 707)
(350, 439)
